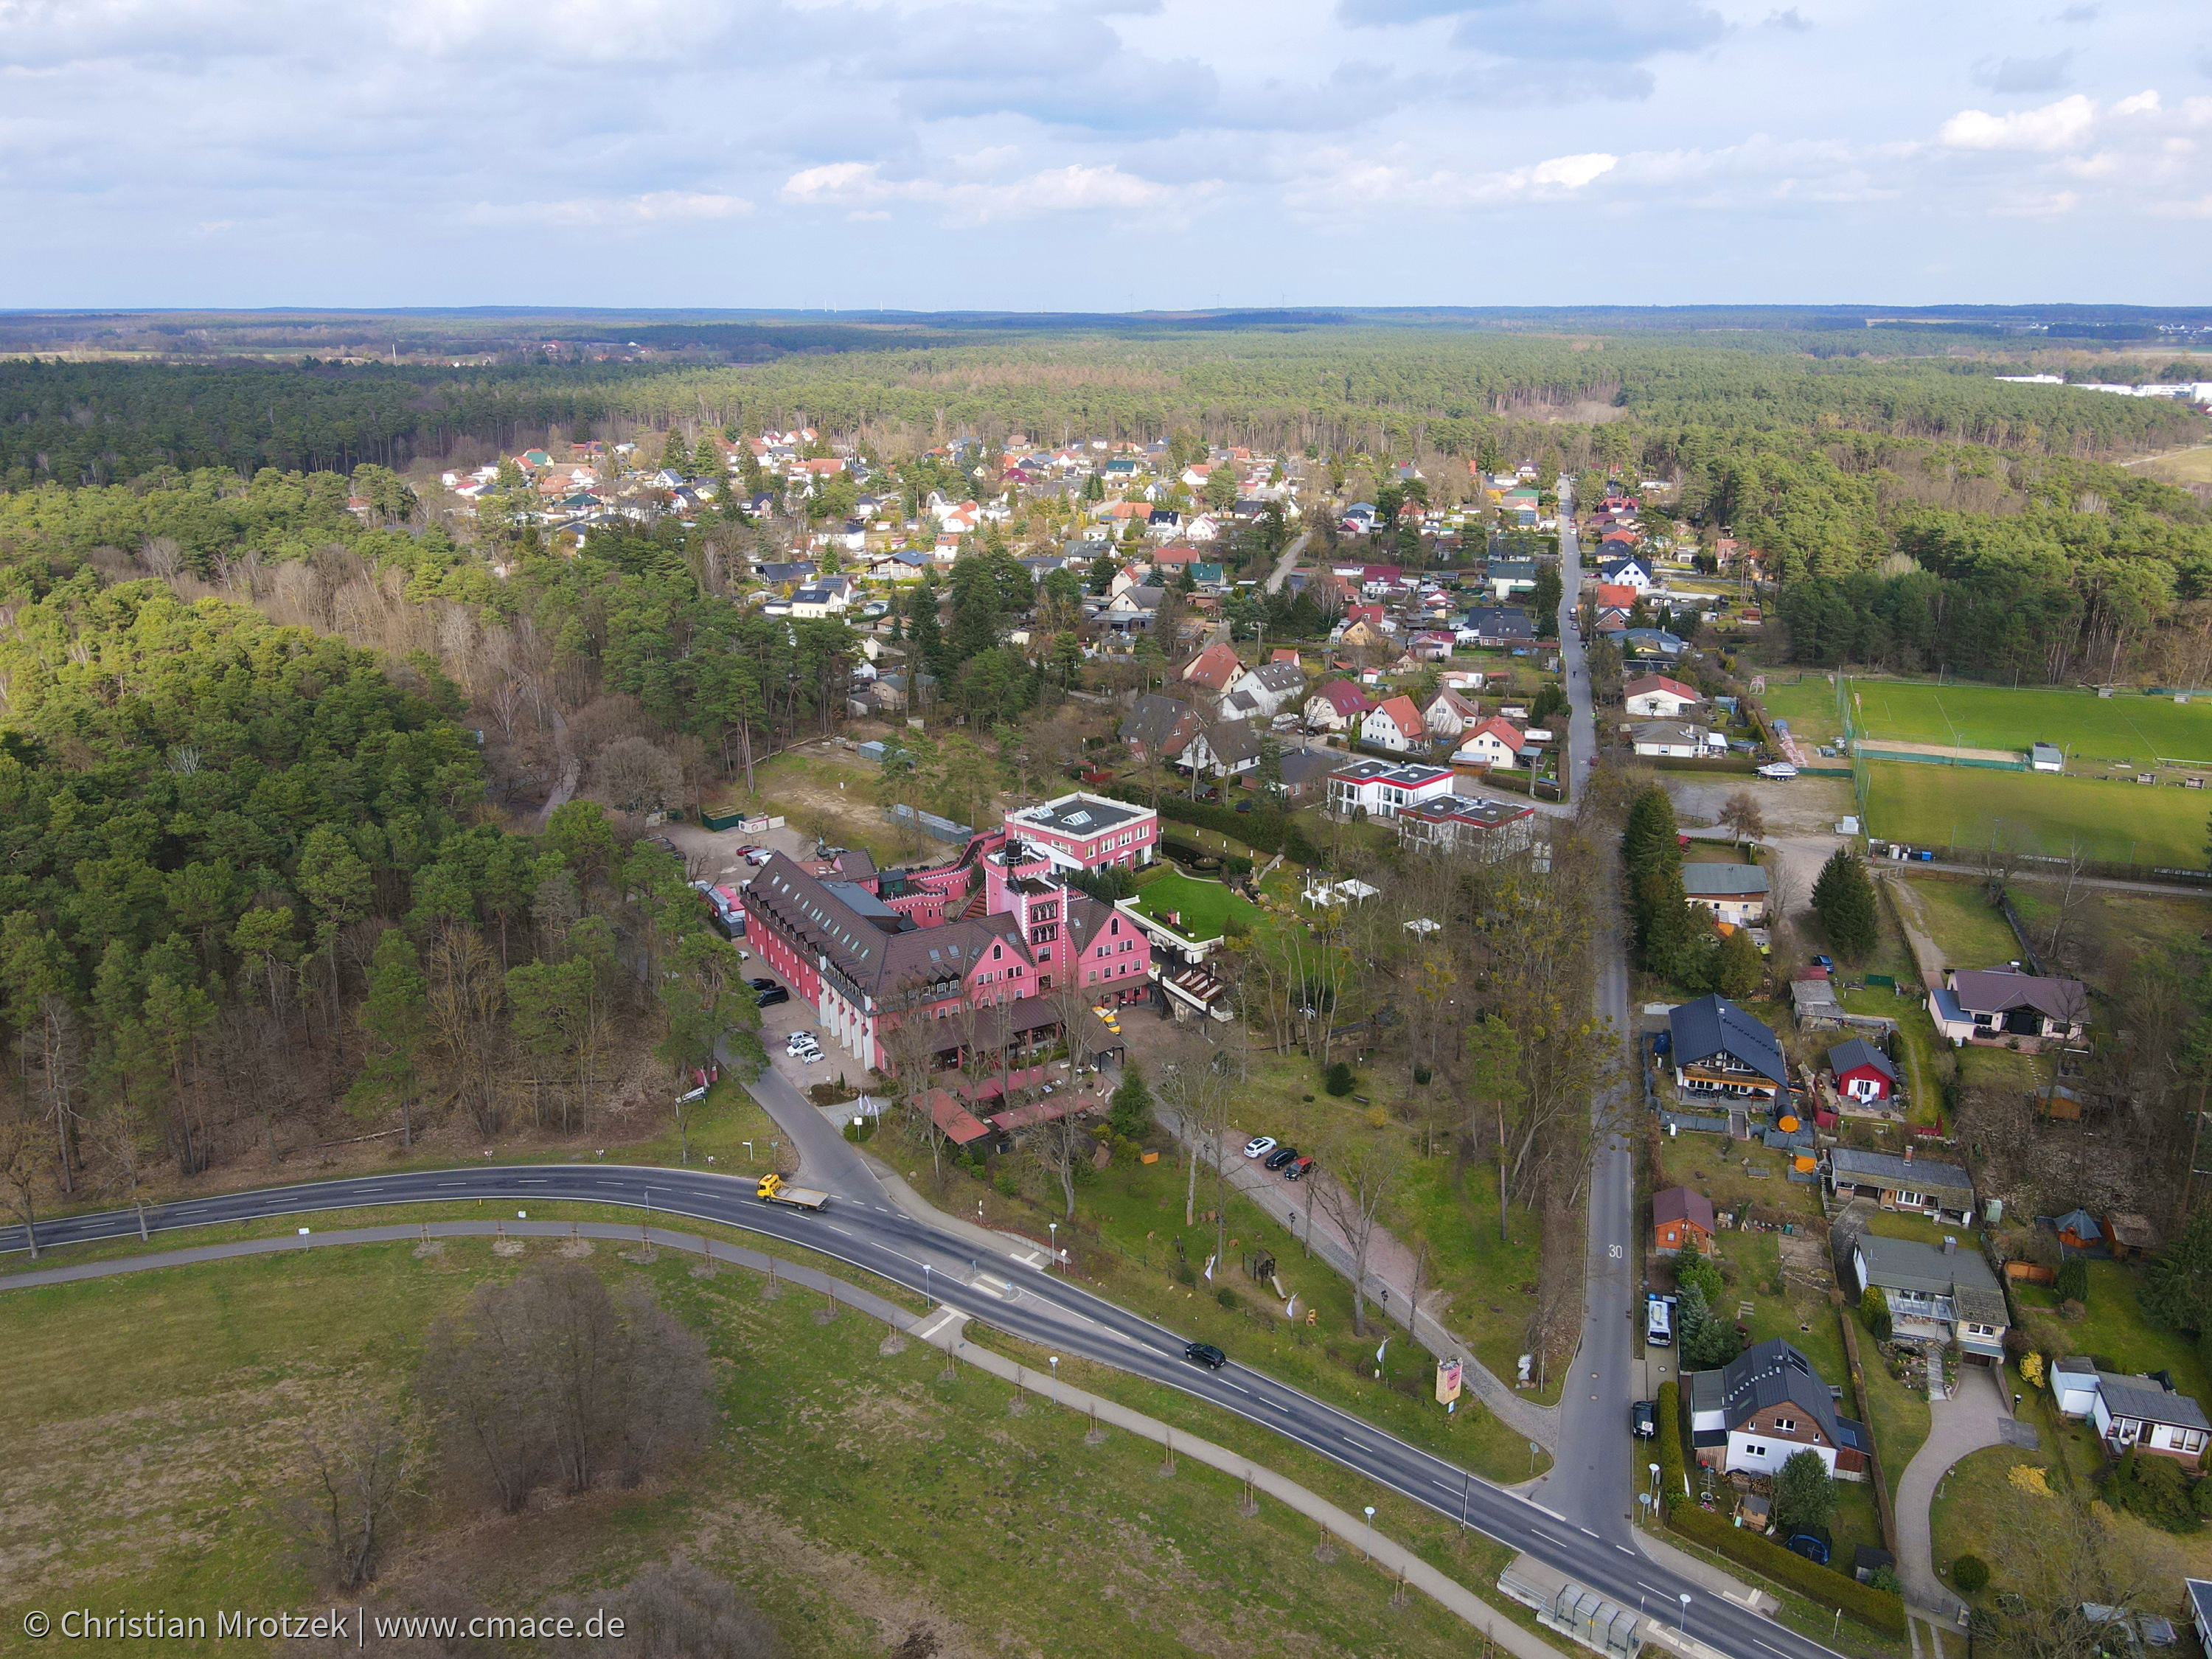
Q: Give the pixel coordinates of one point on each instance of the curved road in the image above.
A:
(1024, 1301)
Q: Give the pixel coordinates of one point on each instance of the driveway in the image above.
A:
(1975, 1417)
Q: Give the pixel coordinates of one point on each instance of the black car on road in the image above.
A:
(1206, 1354)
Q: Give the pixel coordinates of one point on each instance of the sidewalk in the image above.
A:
(1391, 1267)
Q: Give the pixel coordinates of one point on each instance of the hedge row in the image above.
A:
(1745, 764)
(1879, 1610)
(1262, 830)
(1672, 1488)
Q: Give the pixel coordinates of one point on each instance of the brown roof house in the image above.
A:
(1215, 669)
(2003, 1004)
(1679, 1213)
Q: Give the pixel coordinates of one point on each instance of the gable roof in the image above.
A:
(1452, 700)
(1681, 1203)
(1848, 1057)
(1906, 1264)
(1162, 724)
(1401, 713)
(1347, 699)
(1714, 1025)
(1214, 668)
(1233, 742)
(1278, 676)
(2001, 990)
(1772, 1373)
(1914, 1175)
(1648, 682)
(1723, 880)
(1497, 726)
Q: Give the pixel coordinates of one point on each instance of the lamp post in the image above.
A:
(1466, 1496)
(1053, 1227)
(925, 1281)
(1053, 1360)
(749, 1151)
(1654, 1467)
(1370, 1532)
(1685, 1625)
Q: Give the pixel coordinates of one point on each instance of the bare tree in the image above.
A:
(359, 1471)
(637, 776)
(26, 1167)
(1356, 1175)
(467, 994)
(121, 1142)
(676, 1610)
(1742, 814)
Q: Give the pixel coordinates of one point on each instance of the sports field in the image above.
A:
(2124, 822)
(2130, 730)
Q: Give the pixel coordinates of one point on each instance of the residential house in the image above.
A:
(1364, 635)
(1133, 607)
(1764, 1407)
(1271, 689)
(1615, 596)
(1676, 740)
(1488, 829)
(1632, 572)
(1735, 893)
(1396, 725)
(1651, 642)
(1493, 742)
(1306, 774)
(1382, 791)
(1223, 750)
(1681, 1216)
(1901, 1181)
(1497, 626)
(1449, 713)
(1936, 1296)
(1862, 1073)
(1160, 728)
(1215, 669)
(1336, 705)
(2002, 1005)
(1654, 696)
(1506, 577)
(1431, 645)
(830, 597)
(2146, 1412)
(1718, 1049)
(787, 573)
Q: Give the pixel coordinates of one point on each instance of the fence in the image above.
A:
(930, 824)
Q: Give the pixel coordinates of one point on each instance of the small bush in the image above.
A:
(1885, 1578)
(1009, 1184)
(2153, 1489)
(1338, 1080)
(1183, 1274)
(2072, 1284)
(1229, 1298)
(1423, 1076)
(1874, 1308)
(1970, 1575)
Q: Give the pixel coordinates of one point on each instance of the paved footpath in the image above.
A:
(1391, 1267)
(1970, 1419)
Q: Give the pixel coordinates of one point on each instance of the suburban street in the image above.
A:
(1012, 1293)
(1595, 1474)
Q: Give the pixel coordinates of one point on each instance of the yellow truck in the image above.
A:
(773, 1189)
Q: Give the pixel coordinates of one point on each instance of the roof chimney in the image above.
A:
(1908, 1152)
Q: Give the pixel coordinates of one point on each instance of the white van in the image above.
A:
(1658, 1322)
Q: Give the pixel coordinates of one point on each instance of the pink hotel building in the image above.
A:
(999, 927)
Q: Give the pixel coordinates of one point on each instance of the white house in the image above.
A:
(1654, 696)
(1493, 742)
(1625, 572)
(1270, 688)
(1336, 705)
(1449, 713)
(1673, 741)
(1764, 1407)
(2140, 1411)
(1395, 726)
(830, 597)
(1733, 893)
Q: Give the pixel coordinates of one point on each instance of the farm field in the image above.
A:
(2096, 732)
(2125, 822)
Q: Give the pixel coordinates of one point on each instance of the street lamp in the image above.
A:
(749, 1151)
(1053, 1227)
(1655, 1482)
(1053, 1360)
(1370, 1532)
(1685, 1599)
(925, 1281)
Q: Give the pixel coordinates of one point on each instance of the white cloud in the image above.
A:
(656, 206)
(2055, 126)
(1072, 189)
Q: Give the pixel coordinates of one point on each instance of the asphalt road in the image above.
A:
(1024, 1301)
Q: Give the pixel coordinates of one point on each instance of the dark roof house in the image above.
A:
(1718, 1047)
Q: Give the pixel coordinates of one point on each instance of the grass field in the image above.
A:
(855, 1494)
(1809, 706)
(1205, 906)
(1970, 930)
(2126, 823)
(2096, 732)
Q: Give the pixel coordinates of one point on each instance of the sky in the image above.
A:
(1102, 155)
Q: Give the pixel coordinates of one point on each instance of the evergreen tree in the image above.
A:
(396, 1018)
(1804, 1493)
(1130, 1111)
(675, 454)
(2177, 1288)
(927, 636)
(1843, 899)
(1544, 603)
(1738, 969)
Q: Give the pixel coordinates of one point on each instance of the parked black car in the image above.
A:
(1644, 1418)
(767, 993)
(1280, 1156)
(1299, 1170)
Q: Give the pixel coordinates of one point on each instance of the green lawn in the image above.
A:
(2114, 1327)
(153, 1424)
(1896, 1412)
(1979, 1511)
(1944, 805)
(1809, 706)
(2133, 730)
(1956, 913)
(1206, 906)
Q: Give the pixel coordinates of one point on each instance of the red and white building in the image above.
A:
(1396, 725)
(1382, 790)
(1493, 742)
